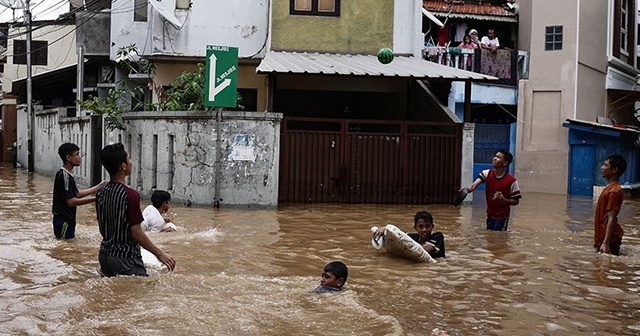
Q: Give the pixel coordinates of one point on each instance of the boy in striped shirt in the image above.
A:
(119, 219)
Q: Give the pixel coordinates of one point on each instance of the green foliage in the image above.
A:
(110, 107)
(186, 92)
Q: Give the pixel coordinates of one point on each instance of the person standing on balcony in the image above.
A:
(474, 37)
(467, 43)
(490, 41)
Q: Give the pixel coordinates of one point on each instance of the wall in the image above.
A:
(363, 27)
(93, 32)
(60, 54)
(239, 23)
(547, 98)
(175, 151)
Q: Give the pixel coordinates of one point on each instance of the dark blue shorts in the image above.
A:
(497, 224)
(63, 229)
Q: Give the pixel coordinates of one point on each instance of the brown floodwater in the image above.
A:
(249, 272)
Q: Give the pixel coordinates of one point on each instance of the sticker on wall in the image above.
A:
(242, 148)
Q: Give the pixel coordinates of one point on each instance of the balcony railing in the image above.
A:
(506, 64)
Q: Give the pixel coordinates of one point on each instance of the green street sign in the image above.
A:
(221, 77)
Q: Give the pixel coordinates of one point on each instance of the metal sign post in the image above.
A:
(221, 82)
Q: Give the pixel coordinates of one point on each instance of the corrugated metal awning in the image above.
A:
(361, 65)
(479, 17)
(594, 127)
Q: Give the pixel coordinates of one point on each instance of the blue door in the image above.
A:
(582, 169)
(488, 138)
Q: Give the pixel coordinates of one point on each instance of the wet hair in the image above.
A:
(339, 269)
(507, 156)
(424, 216)
(112, 156)
(618, 162)
(159, 197)
(67, 148)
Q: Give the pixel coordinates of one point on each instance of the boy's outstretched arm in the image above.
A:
(92, 190)
(138, 234)
(475, 184)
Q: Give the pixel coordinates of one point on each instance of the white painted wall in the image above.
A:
(60, 53)
(407, 27)
(240, 23)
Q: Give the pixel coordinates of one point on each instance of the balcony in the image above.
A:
(507, 64)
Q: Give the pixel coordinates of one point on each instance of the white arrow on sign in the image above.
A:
(214, 90)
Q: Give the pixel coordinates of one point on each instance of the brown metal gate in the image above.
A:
(369, 161)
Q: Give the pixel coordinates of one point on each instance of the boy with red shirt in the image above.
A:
(502, 191)
(608, 232)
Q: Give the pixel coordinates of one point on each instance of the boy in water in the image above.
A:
(119, 219)
(156, 218)
(502, 190)
(334, 276)
(66, 196)
(608, 232)
(432, 242)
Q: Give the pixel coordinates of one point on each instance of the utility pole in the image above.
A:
(30, 113)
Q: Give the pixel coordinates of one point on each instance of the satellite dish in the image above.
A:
(12, 4)
(432, 17)
(76, 3)
(166, 13)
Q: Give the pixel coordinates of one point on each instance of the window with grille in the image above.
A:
(315, 7)
(553, 38)
(39, 53)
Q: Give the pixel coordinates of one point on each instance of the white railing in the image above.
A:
(461, 58)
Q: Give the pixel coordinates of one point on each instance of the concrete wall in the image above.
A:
(363, 27)
(93, 32)
(60, 54)
(547, 98)
(239, 23)
(174, 151)
(9, 127)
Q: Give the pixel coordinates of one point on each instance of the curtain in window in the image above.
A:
(302, 5)
(326, 5)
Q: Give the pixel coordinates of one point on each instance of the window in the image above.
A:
(623, 38)
(140, 10)
(624, 25)
(315, 7)
(553, 38)
(39, 52)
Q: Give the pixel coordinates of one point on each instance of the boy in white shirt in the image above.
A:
(156, 218)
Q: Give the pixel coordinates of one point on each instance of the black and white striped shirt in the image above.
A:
(118, 208)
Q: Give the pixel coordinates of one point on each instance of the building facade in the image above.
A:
(583, 68)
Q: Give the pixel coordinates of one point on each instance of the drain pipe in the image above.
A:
(216, 199)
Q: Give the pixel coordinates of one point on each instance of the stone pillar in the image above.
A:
(466, 176)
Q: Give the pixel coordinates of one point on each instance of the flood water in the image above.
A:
(249, 272)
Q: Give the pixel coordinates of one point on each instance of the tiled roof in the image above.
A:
(462, 7)
(360, 65)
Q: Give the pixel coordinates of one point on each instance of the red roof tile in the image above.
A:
(460, 7)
